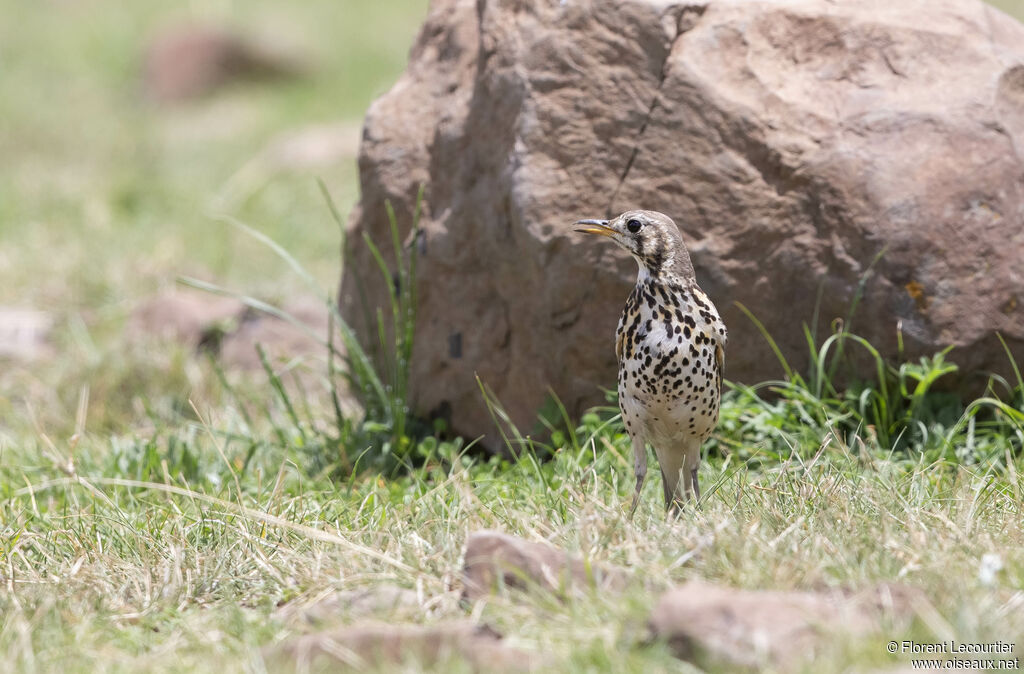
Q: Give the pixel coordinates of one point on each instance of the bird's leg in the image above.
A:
(675, 485)
(674, 501)
(679, 478)
(640, 469)
(673, 507)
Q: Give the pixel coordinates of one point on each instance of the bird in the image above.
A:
(670, 346)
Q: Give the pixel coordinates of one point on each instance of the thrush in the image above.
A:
(670, 346)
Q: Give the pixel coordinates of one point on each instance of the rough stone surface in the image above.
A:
(358, 647)
(494, 559)
(709, 623)
(794, 142)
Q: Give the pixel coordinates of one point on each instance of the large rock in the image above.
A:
(793, 141)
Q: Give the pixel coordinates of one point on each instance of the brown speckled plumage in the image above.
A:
(670, 345)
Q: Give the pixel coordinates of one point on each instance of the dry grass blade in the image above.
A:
(251, 513)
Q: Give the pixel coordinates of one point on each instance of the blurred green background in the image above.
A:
(106, 195)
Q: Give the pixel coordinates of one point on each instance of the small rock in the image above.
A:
(381, 645)
(989, 568)
(279, 338)
(753, 628)
(493, 559)
(313, 147)
(226, 327)
(24, 333)
(188, 61)
(229, 331)
(384, 601)
(184, 317)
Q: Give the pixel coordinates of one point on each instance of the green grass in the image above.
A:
(154, 561)
(175, 550)
(116, 193)
(1012, 7)
(107, 199)
(156, 517)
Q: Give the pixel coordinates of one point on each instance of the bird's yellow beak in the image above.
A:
(593, 227)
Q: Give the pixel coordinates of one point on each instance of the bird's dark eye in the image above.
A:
(634, 226)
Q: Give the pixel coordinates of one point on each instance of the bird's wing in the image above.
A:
(712, 326)
(712, 321)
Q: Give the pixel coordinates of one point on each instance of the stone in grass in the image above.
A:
(280, 339)
(493, 559)
(333, 606)
(188, 61)
(226, 328)
(752, 628)
(386, 646)
(189, 318)
(24, 333)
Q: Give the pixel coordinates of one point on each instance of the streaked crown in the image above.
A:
(652, 238)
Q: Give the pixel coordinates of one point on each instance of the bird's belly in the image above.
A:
(670, 387)
(669, 421)
(657, 368)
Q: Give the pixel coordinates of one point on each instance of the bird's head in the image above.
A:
(650, 237)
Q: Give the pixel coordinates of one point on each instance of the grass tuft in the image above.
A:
(903, 413)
